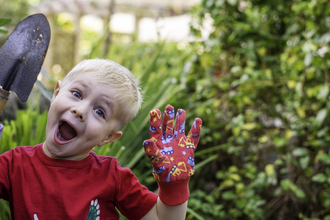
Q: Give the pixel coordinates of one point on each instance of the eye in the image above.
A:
(100, 112)
(77, 94)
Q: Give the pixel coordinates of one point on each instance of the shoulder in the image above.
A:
(18, 157)
(110, 162)
(25, 149)
(112, 168)
(20, 151)
(104, 160)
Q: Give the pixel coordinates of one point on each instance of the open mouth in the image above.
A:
(65, 132)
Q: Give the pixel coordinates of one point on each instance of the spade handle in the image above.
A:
(4, 95)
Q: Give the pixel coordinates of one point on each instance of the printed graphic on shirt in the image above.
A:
(93, 214)
(94, 211)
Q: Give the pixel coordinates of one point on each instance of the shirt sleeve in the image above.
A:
(133, 200)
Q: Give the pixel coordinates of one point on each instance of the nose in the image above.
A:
(80, 111)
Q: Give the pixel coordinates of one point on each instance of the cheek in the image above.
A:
(50, 118)
(55, 107)
(96, 130)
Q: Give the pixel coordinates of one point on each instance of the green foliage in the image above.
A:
(28, 130)
(261, 86)
(12, 12)
(14, 9)
(5, 210)
(201, 201)
(4, 22)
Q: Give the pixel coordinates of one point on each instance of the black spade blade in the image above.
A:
(23, 54)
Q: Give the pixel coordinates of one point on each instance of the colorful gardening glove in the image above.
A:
(172, 153)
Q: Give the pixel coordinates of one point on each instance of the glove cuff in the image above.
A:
(174, 193)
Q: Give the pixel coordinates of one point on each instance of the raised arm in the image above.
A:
(171, 153)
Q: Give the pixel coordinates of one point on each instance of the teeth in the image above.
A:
(59, 136)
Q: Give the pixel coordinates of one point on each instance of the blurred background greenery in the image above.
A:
(260, 83)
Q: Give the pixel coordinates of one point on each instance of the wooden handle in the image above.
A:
(4, 95)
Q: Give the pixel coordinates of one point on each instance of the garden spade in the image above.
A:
(22, 56)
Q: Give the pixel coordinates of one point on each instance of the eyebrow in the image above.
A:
(81, 82)
(108, 102)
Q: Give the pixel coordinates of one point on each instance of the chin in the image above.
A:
(52, 151)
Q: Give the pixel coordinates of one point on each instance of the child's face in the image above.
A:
(80, 117)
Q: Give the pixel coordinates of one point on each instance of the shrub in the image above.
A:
(261, 85)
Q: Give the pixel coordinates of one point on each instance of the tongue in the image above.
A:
(66, 131)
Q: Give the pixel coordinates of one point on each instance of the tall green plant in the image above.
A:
(28, 129)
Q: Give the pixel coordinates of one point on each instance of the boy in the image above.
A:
(63, 179)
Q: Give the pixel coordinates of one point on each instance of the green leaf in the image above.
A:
(2, 31)
(280, 141)
(192, 212)
(298, 152)
(286, 184)
(98, 43)
(325, 38)
(46, 93)
(323, 93)
(299, 193)
(269, 169)
(232, 2)
(304, 161)
(228, 195)
(320, 177)
(209, 3)
(4, 21)
(325, 158)
(320, 117)
(44, 72)
(220, 174)
(308, 59)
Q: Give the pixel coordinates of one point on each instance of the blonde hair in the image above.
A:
(111, 73)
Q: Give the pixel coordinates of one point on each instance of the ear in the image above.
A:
(111, 138)
(56, 90)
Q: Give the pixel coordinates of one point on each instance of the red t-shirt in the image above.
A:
(39, 187)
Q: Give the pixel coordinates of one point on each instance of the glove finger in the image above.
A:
(194, 133)
(154, 154)
(179, 130)
(168, 123)
(155, 126)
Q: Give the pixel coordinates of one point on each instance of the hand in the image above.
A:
(171, 153)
